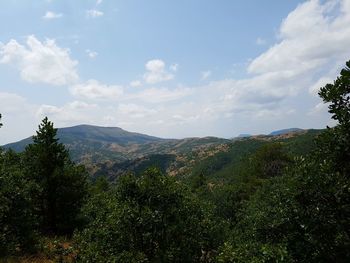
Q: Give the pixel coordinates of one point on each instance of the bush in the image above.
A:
(152, 218)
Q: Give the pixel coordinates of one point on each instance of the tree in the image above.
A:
(269, 161)
(338, 95)
(0, 122)
(303, 215)
(335, 142)
(151, 218)
(17, 221)
(62, 183)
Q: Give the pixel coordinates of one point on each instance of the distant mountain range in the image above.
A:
(112, 151)
(94, 144)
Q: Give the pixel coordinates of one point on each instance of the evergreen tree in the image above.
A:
(62, 183)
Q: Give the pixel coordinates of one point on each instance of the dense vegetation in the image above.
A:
(260, 202)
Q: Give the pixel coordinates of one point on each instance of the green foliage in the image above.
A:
(137, 166)
(226, 166)
(62, 185)
(335, 142)
(17, 222)
(338, 95)
(222, 166)
(303, 215)
(152, 218)
(269, 161)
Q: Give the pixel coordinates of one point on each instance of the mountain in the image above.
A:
(243, 135)
(224, 164)
(93, 144)
(285, 131)
(89, 134)
(111, 151)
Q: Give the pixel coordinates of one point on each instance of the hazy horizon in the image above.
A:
(170, 138)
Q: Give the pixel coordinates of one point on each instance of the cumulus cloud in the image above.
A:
(17, 117)
(311, 36)
(90, 53)
(277, 92)
(40, 62)
(69, 114)
(156, 72)
(11, 102)
(135, 111)
(161, 95)
(93, 13)
(312, 46)
(52, 15)
(92, 89)
(135, 83)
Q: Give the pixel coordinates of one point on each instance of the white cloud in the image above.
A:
(52, 15)
(161, 95)
(318, 109)
(93, 13)
(72, 113)
(311, 37)
(312, 47)
(174, 67)
(205, 74)
(278, 91)
(92, 89)
(40, 62)
(135, 111)
(17, 117)
(135, 83)
(91, 54)
(11, 102)
(98, 2)
(320, 83)
(156, 72)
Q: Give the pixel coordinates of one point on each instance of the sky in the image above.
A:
(173, 69)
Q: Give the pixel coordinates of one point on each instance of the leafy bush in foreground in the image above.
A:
(151, 218)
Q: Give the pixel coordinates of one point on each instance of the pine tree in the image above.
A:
(62, 183)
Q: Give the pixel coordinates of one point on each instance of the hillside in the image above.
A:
(224, 164)
(217, 161)
(112, 151)
(92, 145)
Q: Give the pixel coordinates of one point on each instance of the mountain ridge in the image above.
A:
(111, 151)
(92, 144)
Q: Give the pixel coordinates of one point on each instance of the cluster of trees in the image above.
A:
(41, 192)
(276, 207)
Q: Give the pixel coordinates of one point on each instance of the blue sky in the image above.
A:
(169, 68)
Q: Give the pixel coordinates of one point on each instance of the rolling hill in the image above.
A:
(93, 144)
(111, 151)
